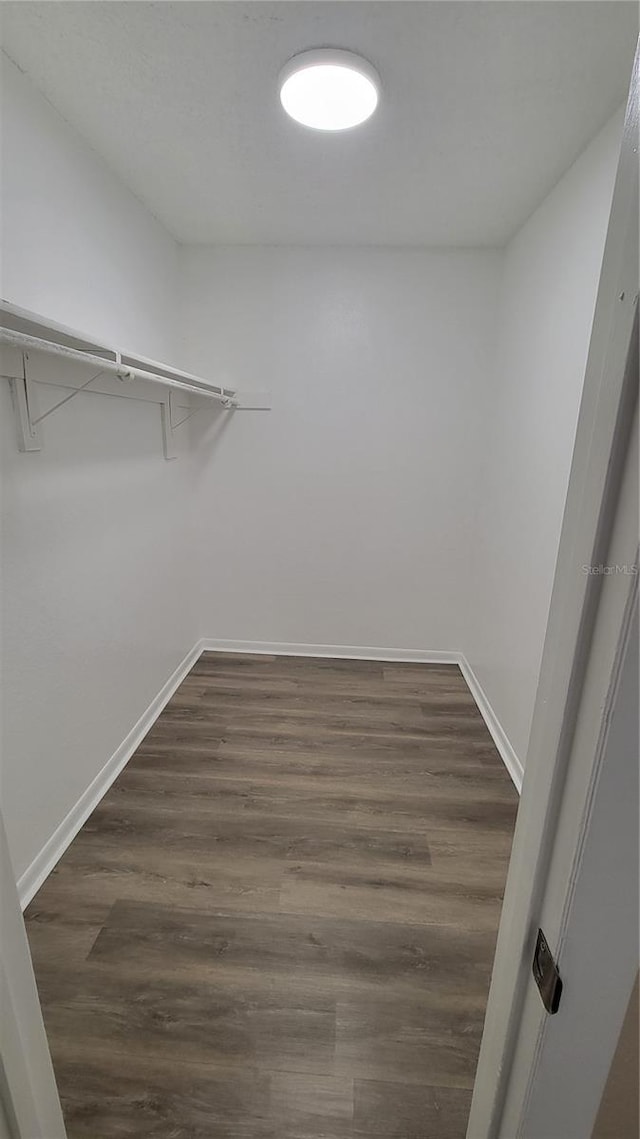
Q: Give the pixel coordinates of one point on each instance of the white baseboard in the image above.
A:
(30, 882)
(44, 862)
(498, 734)
(345, 652)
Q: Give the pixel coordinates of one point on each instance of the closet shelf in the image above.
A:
(29, 332)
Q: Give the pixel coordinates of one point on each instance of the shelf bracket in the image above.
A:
(166, 416)
(178, 422)
(23, 392)
(24, 403)
(61, 402)
(170, 423)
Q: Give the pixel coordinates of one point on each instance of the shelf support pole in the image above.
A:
(168, 441)
(24, 402)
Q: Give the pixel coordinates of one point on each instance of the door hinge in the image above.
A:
(547, 977)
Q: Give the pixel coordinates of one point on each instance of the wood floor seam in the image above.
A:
(280, 921)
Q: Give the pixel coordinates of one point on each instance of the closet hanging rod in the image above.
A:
(121, 367)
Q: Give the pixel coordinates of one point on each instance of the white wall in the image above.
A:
(76, 245)
(406, 491)
(96, 586)
(548, 294)
(342, 515)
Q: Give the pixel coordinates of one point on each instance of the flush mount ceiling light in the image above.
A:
(328, 89)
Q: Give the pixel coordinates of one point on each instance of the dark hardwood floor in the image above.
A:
(280, 921)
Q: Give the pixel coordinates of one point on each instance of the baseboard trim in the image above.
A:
(344, 652)
(30, 882)
(498, 734)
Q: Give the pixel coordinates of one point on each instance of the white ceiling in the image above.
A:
(485, 104)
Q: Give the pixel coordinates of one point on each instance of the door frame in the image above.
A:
(27, 1083)
(599, 453)
(561, 1063)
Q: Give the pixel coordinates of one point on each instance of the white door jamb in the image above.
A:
(599, 453)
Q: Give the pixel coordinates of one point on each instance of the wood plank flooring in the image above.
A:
(280, 921)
